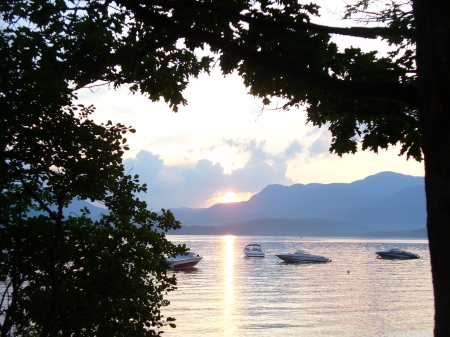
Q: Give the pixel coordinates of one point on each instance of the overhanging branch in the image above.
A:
(397, 92)
(362, 32)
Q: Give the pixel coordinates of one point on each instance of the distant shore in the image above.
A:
(312, 227)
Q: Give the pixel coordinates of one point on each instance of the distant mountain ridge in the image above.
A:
(384, 201)
(381, 203)
(74, 209)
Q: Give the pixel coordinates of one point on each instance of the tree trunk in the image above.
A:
(433, 63)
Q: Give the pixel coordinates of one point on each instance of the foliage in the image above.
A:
(341, 90)
(72, 44)
(59, 274)
(69, 275)
(151, 46)
(105, 280)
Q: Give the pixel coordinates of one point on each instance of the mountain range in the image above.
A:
(386, 201)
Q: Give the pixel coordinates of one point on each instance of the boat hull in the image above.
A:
(391, 256)
(254, 254)
(183, 261)
(183, 264)
(303, 259)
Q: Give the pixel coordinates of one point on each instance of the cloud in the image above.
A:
(252, 178)
(205, 175)
(293, 149)
(258, 154)
(174, 186)
(152, 165)
(321, 145)
(230, 142)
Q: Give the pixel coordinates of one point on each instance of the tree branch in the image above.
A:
(362, 32)
(149, 48)
(391, 91)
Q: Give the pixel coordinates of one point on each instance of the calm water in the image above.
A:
(231, 295)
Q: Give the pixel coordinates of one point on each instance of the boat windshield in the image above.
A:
(254, 247)
(301, 252)
(396, 250)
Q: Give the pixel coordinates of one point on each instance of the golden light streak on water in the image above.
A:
(228, 284)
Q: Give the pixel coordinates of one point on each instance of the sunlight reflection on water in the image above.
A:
(228, 324)
(231, 295)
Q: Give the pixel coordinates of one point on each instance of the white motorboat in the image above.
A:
(183, 261)
(396, 253)
(253, 250)
(302, 256)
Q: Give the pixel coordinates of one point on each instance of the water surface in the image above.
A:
(356, 294)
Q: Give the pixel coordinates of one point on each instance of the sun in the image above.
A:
(229, 197)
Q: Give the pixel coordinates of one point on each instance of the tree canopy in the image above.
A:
(53, 48)
(151, 46)
(65, 274)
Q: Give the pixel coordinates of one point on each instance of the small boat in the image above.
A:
(396, 253)
(183, 261)
(253, 250)
(302, 256)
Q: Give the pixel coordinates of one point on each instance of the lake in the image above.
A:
(356, 294)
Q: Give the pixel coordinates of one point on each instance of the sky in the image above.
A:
(221, 148)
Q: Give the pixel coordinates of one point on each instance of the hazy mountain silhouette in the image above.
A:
(76, 205)
(405, 210)
(385, 201)
(74, 209)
